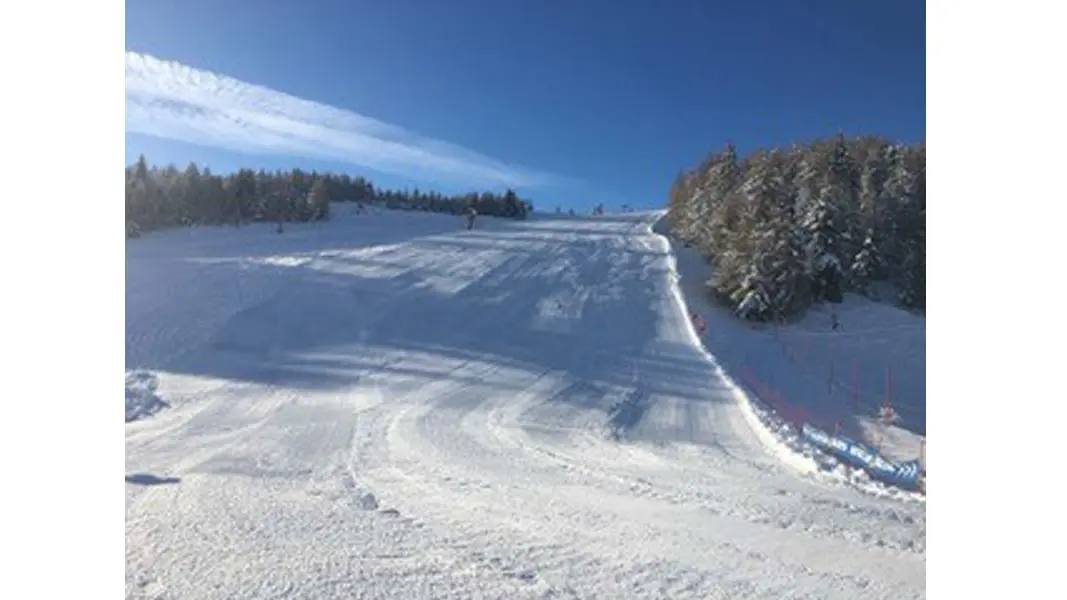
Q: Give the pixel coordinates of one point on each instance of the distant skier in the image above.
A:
(471, 214)
(835, 324)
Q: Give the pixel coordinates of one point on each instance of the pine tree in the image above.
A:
(822, 227)
(319, 200)
(911, 278)
(844, 177)
(911, 229)
(783, 252)
(913, 283)
(677, 204)
(190, 205)
(752, 298)
(511, 205)
(216, 201)
(751, 273)
(244, 191)
(776, 279)
(140, 169)
(875, 173)
(845, 217)
(132, 228)
(717, 216)
(865, 264)
(842, 172)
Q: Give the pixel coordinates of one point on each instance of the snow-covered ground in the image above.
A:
(388, 406)
(837, 379)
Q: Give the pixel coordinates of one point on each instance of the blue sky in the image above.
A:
(572, 102)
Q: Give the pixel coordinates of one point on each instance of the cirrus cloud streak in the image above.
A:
(170, 100)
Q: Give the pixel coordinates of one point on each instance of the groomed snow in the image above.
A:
(388, 406)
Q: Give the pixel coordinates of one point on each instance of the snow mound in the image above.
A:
(141, 398)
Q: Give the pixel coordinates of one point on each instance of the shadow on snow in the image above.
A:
(605, 302)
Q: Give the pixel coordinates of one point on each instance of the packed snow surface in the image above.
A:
(390, 406)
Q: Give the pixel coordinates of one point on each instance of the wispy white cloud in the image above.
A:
(171, 100)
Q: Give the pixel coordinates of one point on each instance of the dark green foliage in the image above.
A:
(866, 266)
(159, 198)
(514, 207)
(786, 228)
(318, 203)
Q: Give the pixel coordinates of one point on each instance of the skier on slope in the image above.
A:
(471, 214)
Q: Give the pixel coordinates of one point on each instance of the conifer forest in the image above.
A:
(784, 228)
(160, 198)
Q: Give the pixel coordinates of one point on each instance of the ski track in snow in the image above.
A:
(388, 406)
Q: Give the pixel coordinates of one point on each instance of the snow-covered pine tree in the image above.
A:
(750, 291)
(138, 201)
(865, 264)
(902, 192)
(873, 211)
(730, 263)
(792, 283)
(190, 203)
(842, 170)
(873, 174)
(845, 175)
(792, 164)
(244, 191)
(678, 205)
(698, 201)
(695, 199)
(913, 273)
(806, 183)
(216, 201)
(822, 229)
(782, 246)
(712, 214)
(899, 188)
(912, 230)
(752, 298)
(772, 281)
(133, 230)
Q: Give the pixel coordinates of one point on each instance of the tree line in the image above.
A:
(784, 228)
(161, 198)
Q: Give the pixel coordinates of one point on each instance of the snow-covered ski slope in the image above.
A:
(389, 406)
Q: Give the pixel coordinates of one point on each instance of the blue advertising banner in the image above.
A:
(905, 475)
